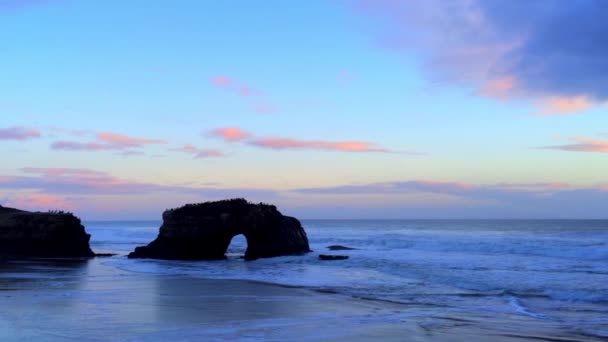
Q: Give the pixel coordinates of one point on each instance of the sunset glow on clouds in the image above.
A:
(235, 134)
(238, 87)
(40, 202)
(278, 143)
(231, 134)
(505, 48)
(18, 133)
(433, 108)
(582, 144)
(565, 105)
(106, 141)
(199, 152)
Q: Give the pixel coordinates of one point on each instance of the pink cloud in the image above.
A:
(108, 141)
(61, 172)
(222, 81)
(78, 146)
(40, 202)
(198, 152)
(279, 143)
(126, 141)
(18, 133)
(237, 87)
(231, 134)
(457, 185)
(562, 105)
(90, 182)
(583, 144)
(500, 87)
(264, 108)
(235, 134)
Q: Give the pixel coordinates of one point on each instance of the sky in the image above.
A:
(329, 109)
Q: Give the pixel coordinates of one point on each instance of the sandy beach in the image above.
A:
(80, 300)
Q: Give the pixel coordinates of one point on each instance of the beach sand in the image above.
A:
(67, 300)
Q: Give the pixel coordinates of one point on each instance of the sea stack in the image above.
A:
(203, 232)
(38, 234)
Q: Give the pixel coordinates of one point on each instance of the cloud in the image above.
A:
(539, 49)
(73, 132)
(130, 153)
(561, 105)
(126, 141)
(66, 181)
(244, 90)
(583, 144)
(198, 152)
(108, 141)
(78, 146)
(279, 143)
(90, 190)
(499, 88)
(230, 134)
(235, 134)
(237, 87)
(264, 108)
(39, 202)
(501, 192)
(538, 200)
(61, 172)
(18, 133)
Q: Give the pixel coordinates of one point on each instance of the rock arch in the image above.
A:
(203, 232)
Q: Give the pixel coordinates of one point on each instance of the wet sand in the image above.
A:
(89, 301)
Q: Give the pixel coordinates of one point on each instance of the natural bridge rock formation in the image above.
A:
(37, 234)
(204, 231)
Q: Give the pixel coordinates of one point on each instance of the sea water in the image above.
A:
(546, 270)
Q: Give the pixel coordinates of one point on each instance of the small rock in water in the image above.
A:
(340, 248)
(332, 257)
(105, 255)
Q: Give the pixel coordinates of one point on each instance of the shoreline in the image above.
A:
(72, 300)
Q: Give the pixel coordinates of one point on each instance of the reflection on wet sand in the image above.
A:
(79, 300)
(32, 274)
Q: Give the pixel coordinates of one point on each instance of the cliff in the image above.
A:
(52, 234)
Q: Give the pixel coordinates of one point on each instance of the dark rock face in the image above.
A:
(332, 257)
(37, 234)
(203, 232)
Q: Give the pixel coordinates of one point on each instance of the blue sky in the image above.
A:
(437, 109)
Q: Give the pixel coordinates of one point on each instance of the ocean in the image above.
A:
(550, 272)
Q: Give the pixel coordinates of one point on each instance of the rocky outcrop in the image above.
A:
(340, 248)
(326, 257)
(37, 234)
(203, 232)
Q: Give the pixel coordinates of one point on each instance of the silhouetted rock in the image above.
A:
(203, 232)
(332, 257)
(340, 248)
(38, 234)
(105, 255)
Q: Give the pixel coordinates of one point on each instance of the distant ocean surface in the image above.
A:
(554, 271)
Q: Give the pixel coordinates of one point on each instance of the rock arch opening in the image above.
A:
(237, 246)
